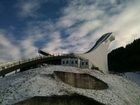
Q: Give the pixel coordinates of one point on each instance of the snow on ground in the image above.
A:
(133, 76)
(40, 82)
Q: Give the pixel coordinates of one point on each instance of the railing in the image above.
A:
(27, 63)
(4, 67)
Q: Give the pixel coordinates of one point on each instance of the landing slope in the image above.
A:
(41, 82)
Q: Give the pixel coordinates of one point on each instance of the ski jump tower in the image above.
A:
(95, 58)
(97, 55)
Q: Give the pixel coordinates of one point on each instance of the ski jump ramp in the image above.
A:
(97, 57)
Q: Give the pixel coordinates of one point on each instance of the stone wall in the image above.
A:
(80, 80)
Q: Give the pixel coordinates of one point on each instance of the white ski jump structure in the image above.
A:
(95, 57)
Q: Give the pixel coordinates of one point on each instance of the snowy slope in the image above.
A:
(40, 82)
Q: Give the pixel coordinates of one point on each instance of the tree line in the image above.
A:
(125, 59)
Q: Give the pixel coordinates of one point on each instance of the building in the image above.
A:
(76, 62)
(94, 58)
(97, 55)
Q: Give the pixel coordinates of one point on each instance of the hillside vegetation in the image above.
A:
(125, 59)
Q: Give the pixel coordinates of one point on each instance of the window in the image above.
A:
(63, 62)
(67, 62)
(82, 63)
(72, 62)
(86, 63)
(76, 62)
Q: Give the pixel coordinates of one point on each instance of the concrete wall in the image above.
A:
(98, 56)
(80, 80)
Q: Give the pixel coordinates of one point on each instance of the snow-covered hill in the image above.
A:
(41, 82)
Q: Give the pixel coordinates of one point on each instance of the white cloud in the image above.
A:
(33, 35)
(85, 22)
(9, 51)
(55, 43)
(82, 21)
(29, 50)
(126, 25)
(121, 17)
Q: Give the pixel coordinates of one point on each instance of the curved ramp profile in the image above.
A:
(97, 55)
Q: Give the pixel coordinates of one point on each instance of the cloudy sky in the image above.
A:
(61, 26)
